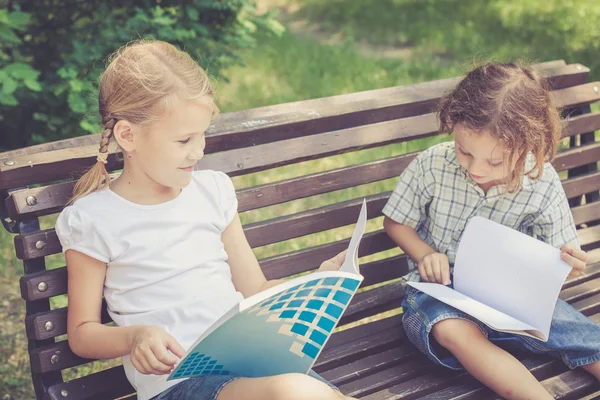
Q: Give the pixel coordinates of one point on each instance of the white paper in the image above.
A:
(350, 264)
(504, 278)
(489, 316)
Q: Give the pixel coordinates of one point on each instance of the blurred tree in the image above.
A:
(52, 52)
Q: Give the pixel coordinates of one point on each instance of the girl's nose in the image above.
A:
(197, 151)
(196, 154)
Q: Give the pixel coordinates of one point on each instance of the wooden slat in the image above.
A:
(306, 259)
(33, 168)
(370, 364)
(589, 237)
(108, 384)
(581, 291)
(387, 377)
(374, 301)
(578, 156)
(592, 396)
(41, 358)
(571, 385)
(311, 221)
(438, 380)
(53, 198)
(55, 283)
(48, 200)
(272, 155)
(590, 304)
(581, 185)
(582, 123)
(36, 324)
(468, 388)
(338, 342)
(586, 213)
(374, 338)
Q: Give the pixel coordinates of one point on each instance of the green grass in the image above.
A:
(469, 29)
(290, 68)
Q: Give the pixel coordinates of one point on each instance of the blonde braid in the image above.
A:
(97, 177)
(107, 134)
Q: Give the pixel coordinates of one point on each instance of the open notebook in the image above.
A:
(504, 278)
(280, 330)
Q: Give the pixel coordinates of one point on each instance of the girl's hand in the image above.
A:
(575, 257)
(333, 264)
(434, 267)
(149, 351)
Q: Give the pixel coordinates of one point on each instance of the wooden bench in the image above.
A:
(370, 359)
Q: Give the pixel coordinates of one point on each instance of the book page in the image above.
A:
(284, 333)
(350, 264)
(489, 316)
(279, 330)
(510, 272)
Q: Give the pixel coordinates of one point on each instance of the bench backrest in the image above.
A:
(293, 223)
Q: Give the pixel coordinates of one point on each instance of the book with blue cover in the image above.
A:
(280, 330)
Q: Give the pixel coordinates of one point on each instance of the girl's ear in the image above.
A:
(124, 135)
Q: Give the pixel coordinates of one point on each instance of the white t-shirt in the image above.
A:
(166, 262)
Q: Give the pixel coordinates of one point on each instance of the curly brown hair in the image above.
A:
(511, 102)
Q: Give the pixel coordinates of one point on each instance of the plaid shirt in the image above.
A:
(437, 198)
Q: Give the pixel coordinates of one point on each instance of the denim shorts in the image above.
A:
(208, 387)
(574, 338)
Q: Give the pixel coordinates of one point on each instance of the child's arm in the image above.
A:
(433, 266)
(246, 274)
(89, 338)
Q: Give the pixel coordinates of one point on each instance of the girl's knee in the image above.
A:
(455, 333)
(299, 387)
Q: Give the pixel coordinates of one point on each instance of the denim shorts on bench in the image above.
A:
(574, 338)
(208, 387)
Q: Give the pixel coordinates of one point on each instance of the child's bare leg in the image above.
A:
(488, 363)
(279, 387)
(593, 369)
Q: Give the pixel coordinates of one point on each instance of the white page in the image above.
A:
(489, 316)
(350, 264)
(510, 271)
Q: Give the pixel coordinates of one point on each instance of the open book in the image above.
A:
(504, 278)
(280, 330)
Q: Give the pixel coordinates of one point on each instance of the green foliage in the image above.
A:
(466, 29)
(51, 54)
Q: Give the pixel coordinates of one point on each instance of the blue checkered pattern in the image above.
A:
(437, 198)
(197, 364)
(312, 309)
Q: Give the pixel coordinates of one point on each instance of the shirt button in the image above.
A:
(67, 241)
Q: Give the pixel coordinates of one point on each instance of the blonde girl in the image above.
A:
(162, 243)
